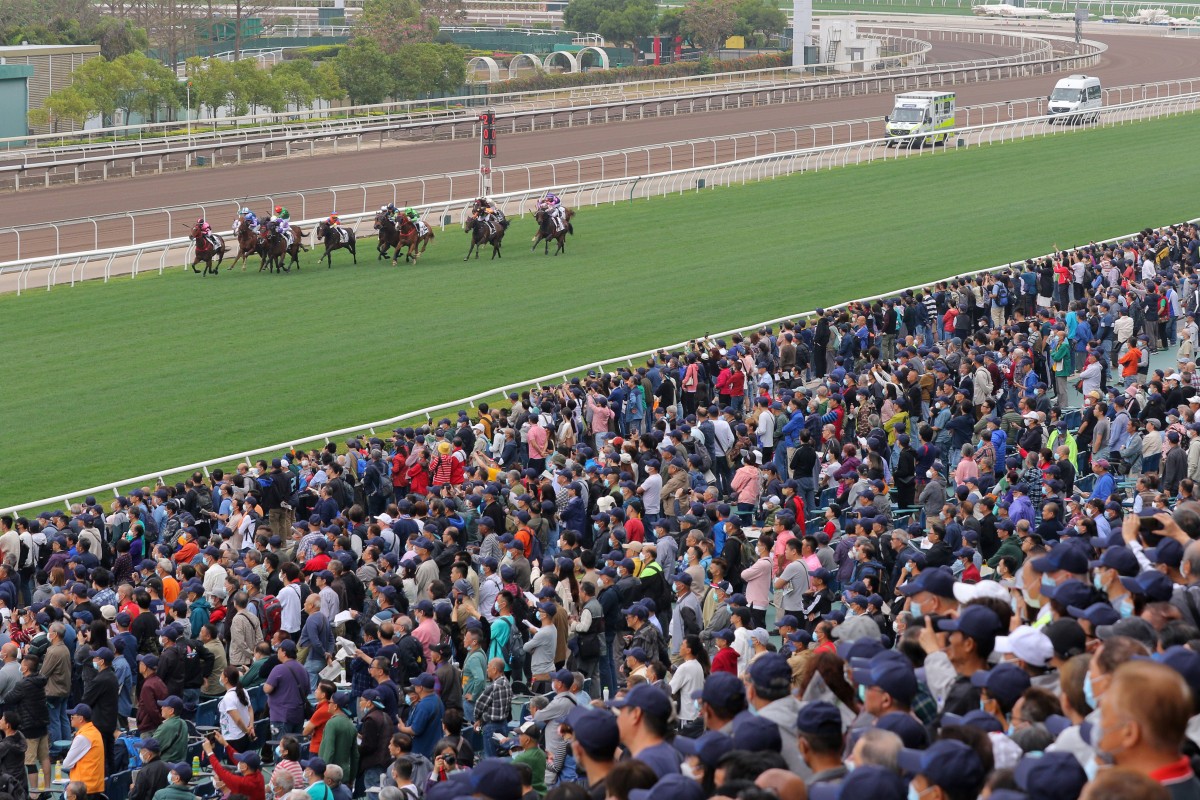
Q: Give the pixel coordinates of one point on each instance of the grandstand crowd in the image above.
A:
(940, 546)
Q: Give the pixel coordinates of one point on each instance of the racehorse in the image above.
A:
(272, 248)
(205, 251)
(547, 232)
(248, 244)
(389, 235)
(333, 241)
(411, 235)
(481, 234)
(296, 247)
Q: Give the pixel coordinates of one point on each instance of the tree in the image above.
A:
(105, 85)
(423, 69)
(329, 83)
(708, 23)
(255, 87)
(446, 12)
(67, 104)
(584, 15)
(626, 25)
(394, 23)
(760, 17)
(364, 69)
(152, 85)
(297, 83)
(118, 37)
(212, 83)
(171, 25)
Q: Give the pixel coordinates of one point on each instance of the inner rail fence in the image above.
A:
(71, 236)
(611, 192)
(445, 118)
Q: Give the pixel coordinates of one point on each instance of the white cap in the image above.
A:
(966, 592)
(1030, 645)
(386, 519)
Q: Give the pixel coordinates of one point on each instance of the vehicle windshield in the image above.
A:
(1066, 95)
(908, 114)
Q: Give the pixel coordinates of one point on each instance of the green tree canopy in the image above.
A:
(364, 70)
(708, 23)
(394, 23)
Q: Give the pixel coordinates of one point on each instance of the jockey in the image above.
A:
(282, 213)
(247, 216)
(391, 210)
(205, 230)
(553, 206)
(333, 220)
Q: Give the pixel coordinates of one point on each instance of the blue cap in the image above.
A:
(948, 763)
(722, 691)
(675, 786)
(938, 582)
(977, 622)
(1124, 561)
(910, 730)
(755, 733)
(638, 654)
(595, 730)
(1097, 613)
(1186, 662)
(1169, 552)
(1153, 585)
(771, 671)
(172, 702)
(819, 718)
(424, 680)
(81, 710)
(976, 718)
(1050, 776)
(891, 672)
(1068, 593)
(646, 697)
(877, 783)
(1005, 682)
(149, 743)
(709, 746)
(250, 758)
(1069, 557)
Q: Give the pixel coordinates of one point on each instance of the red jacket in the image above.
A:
(254, 786)
(418, 479)
(725, 660)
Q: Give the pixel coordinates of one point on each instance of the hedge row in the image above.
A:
(705, 66)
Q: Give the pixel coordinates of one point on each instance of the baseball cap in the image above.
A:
(756, 733)
(172, 702)
(868, 780)
(81, 710)
(250, 758)
(316, 764)
(1153, 585)
(595, 730)
(646, 697)
(938, 582)
(1005, 682)
(1068, 557)
(722, 691)
(948, 763)
(1028, 644)
(183, 770)
(709, 747)
(1050, 776)
(819, 718)
(675, 786)
(891, 672)
(910, 730)
(977, 622)
(149, 743)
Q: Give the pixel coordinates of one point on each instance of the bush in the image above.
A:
(316, 52)
(542, 81)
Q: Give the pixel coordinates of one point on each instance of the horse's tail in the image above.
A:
(570, 229)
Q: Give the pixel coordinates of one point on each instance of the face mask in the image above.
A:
(1012, 601)
(96, 666)
(1125, 607)
(914, 608)
(1089, 692)
(913, 794)
(896, 625)
(688, 771)
(862, 693)
(1098, 582)
(1047, 581)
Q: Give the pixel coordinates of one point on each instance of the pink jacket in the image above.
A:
(746, 484)
(758, 583)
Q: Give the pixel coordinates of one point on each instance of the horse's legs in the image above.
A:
(353, 251)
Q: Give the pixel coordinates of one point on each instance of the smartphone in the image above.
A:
(1148, 530)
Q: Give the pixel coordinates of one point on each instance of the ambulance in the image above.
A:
(920, 117)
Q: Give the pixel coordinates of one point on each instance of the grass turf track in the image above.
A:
(107, 381)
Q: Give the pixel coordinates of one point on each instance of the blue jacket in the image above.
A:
(791, 431)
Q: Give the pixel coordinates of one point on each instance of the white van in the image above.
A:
(920, 117)
(1074, 95)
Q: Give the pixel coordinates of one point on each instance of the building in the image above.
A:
(52, 66)
(14, 99)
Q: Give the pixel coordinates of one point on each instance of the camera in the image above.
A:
(449, 759)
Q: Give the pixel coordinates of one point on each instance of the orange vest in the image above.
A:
(89, 770)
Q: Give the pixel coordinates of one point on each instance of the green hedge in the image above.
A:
(317, 52)
(705, 66)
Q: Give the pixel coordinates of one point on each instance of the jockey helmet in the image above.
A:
(278, 209)
(245, 211)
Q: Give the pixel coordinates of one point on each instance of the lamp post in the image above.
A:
(189, 108)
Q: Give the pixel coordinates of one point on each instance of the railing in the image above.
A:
(106, 262)
(31, 148)
(499, 393)
(129, 228)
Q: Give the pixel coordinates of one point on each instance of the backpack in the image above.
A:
(198, 664)
(272, 616)
(514, 651)
(129, 753)
(1002, 295)
(748, 554)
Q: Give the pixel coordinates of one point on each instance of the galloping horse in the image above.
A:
(481, 234)
(205, 251)
(333, 241)
(547, 232)
(272, 247)
(411, 235)
(296, 247)
(389, 235)
(248, 244)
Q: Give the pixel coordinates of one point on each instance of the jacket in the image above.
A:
(28, 698)
(173, 736)
(253, 785)
(149, 715)
(245, 633)
(175, 793)
(56, 667)
(172, 668)
(339, 745)
(101, 695)
(89, 769)
(149, 780)
(376, 734)
(12, 762)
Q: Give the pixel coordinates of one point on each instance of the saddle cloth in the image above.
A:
(422, 228)
(287, 237)
(211, 240)
(343, 233)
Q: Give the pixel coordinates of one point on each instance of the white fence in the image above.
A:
(420, 416)
(105, 263)
(142, 141)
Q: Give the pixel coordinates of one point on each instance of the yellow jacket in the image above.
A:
(89, 770)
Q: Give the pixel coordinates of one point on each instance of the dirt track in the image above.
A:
(1130, 59)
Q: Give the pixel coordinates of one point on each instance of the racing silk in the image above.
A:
(285, 214)
(552, 201)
